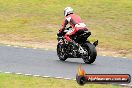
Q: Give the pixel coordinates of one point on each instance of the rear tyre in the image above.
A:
(92, 53)
(61, 52)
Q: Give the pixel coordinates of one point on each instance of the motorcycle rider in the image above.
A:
(75, 21)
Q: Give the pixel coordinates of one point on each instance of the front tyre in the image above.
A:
(92, 53)
(61, 52)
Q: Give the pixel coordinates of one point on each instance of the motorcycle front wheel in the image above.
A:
(61, 52)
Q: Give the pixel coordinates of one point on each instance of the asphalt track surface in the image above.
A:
(46, 63)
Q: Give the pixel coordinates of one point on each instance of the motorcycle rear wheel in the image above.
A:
(92, 53)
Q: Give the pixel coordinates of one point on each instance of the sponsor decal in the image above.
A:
(82, 78)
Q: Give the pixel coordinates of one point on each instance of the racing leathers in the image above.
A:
(76, 23)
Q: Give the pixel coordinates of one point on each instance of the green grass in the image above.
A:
(20, 81)
(110, 21)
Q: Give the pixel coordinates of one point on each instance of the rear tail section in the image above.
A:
(95, 43)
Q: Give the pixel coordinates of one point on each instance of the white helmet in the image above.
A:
(67, 11)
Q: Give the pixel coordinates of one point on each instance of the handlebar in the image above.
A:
(66, 29)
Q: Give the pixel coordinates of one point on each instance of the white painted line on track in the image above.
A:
(8, 45)
(7, 72)
(15, 46)
(74, 79)
(67, 78)
(59, 77)
(34, 48)
(115, 56)
(125, 85)
(46, 49)
(124, 57)
(28, 74)
(103, 55)
(18, 73)
(45, 76)
(36, 75)
(24, 47)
